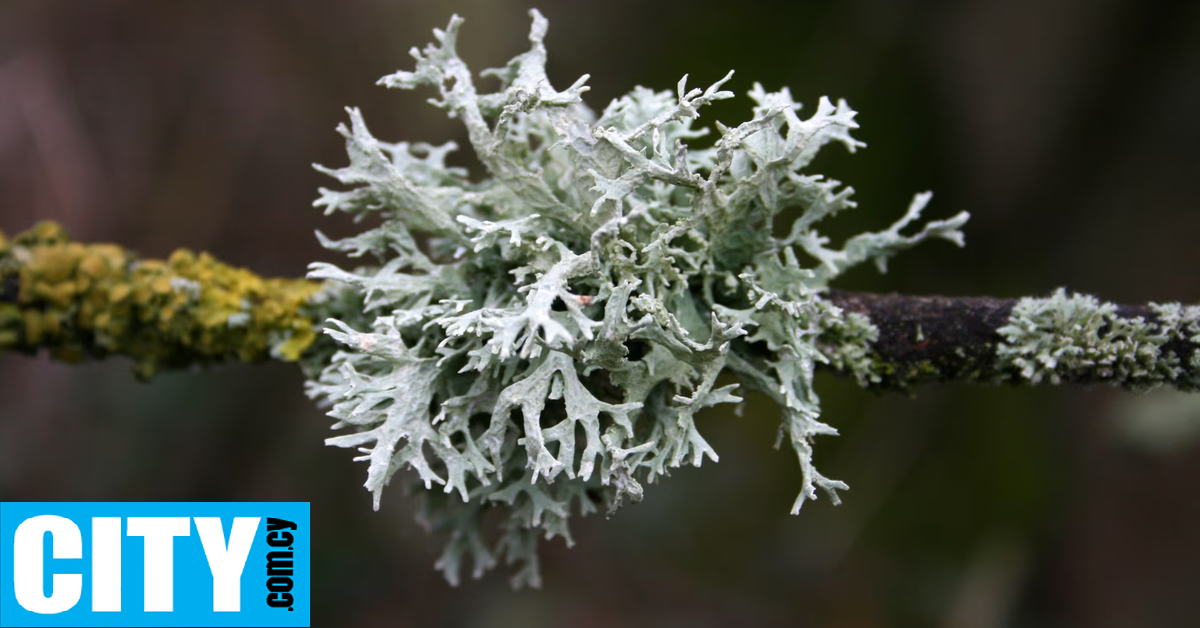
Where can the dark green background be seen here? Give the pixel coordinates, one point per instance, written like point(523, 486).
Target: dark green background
point(1068, 129)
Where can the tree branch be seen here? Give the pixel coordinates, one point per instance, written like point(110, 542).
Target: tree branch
point(90, 301)
point(1081, 341)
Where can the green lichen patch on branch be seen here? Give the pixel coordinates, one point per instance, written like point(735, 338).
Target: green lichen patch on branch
point(847, 344)
point(541, 341)
point(1079, 338)
point(93, 300)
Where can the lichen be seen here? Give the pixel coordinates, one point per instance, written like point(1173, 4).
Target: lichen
point(539, 341)
point(847, 342)
point(95, 300)
point(1069, 337)
point(1182, 323)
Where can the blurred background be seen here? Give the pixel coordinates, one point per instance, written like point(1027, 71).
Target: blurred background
point(1068, 129)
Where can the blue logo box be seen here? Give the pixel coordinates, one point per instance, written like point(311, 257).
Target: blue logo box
point(154, 564)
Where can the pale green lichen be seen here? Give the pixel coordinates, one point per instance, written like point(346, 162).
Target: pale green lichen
point(846, 342)
point(1065, 337)
point(540, 341)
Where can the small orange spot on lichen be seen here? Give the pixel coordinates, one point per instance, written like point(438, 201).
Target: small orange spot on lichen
point(93, 266)
point(161, 285)
point(118, 292)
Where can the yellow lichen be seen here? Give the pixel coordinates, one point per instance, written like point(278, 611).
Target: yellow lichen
point(95, 300)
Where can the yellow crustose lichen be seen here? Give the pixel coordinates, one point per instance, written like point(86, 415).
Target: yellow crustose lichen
point(94, 300)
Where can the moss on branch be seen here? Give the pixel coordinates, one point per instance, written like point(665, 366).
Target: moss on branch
point(83, 301)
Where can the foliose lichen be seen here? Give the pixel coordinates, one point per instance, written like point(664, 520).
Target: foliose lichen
point(539, 341)
point(1069, 336)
